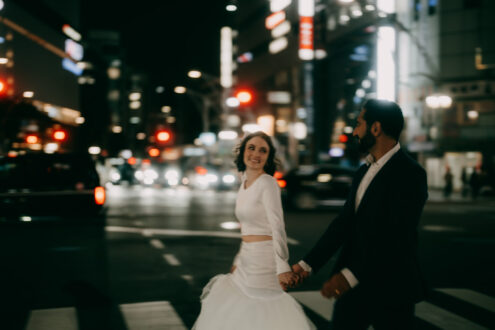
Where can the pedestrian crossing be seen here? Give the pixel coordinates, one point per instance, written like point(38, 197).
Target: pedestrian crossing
point(162, 314)
point(437, 316)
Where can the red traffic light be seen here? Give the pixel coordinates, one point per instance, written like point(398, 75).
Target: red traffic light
point(244, 96)
point(163, 136)
point(343, 138)
point(59, 135)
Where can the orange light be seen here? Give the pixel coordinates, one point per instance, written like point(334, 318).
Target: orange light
point(2, 86)
point(59, 135)
point(278, 175)
point(32, 139)
point(201, 170)
point(131, 161)
point(146, 162)
point(163, 136)
point(154, 152)
point(100, 195)
point(244, 96)
point(282, 183)
point(343, 138)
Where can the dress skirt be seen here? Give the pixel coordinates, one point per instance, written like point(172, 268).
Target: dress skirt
point(251, 298)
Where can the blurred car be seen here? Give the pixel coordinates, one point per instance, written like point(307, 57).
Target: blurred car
point(50, 185)
point(314, 186)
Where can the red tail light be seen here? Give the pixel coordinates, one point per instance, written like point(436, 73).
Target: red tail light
point(100, 195)
point(282, 183)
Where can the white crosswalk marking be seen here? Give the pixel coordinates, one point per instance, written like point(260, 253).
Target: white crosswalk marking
point(157, 244)
point(444, 319)
point(426, 311)
point(156, 315)
point(54, 318)
point(316, 302)
point(171, 259)
point(472, 297)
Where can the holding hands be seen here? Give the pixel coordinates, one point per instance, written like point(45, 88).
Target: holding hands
point(288, 280)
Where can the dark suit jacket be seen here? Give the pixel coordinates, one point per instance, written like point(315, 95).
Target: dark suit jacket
point(379, 240)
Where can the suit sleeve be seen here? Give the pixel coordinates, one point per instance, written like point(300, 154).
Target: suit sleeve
point(272, 204)
point(331, 240)
point(398, 242)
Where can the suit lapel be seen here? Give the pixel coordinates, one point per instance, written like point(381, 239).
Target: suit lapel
point(355, 183)
point(378, 180)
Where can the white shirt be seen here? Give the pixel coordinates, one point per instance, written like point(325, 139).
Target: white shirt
point(375, 167)
point(259, 210)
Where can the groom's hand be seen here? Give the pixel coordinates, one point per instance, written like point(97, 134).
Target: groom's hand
point(296, 268)
point(336, 286)
point(288, 280)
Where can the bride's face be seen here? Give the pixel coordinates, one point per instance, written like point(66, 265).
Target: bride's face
point(256, 153)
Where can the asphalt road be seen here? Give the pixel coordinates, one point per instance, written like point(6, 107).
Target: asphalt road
point(147, 266)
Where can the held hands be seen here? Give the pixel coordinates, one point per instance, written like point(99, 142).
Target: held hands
point(288, 280)
point(335, 287)
point(296, 268)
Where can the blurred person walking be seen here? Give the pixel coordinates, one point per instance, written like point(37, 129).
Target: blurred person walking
point(448, 177)
point(252, 295)
point(376, 279)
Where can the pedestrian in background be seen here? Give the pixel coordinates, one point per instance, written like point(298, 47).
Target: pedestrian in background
point(448, 178)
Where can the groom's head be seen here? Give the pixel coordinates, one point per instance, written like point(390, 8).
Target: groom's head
point(379, 118)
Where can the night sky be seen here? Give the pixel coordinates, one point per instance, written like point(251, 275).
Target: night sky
point(164, 38)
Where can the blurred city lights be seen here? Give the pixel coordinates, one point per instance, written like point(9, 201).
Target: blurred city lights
point(232, 102)
point(385, 63)
point(194, 74)
point(3, 60)
point(438, 101)
point(94, 150)
point(226, 51)
point(251, 128)
point(300, 131)
point(278, 45)
point(231, 8)
point(32, 139)
point(59, 135)
point(134, 96)
point(135, 105)
point(230, 225)
point(159, 89)
point(28, 94)
point(51, 147)
point(180, 89)
point(117, 129)
point(473, 114)
point(277, 5)
point(227, 135)
point(244, 96)
point(80, 120)
point(281, 29)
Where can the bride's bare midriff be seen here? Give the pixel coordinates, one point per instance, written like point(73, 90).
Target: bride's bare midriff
point(255, 238)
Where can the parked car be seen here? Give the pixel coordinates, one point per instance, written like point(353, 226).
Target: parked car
point(41, 184)
point(313, 186)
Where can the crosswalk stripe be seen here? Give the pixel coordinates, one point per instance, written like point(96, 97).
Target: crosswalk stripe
point(171, 259)
point(157, 315)
point(444, 319)
point(472, 297)
point(156, 243)
point(316, 302)
point(54, 318)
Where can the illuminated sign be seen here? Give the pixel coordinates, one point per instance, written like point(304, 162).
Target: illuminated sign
point(306, 51)
point(274, 19)
point(74, 50)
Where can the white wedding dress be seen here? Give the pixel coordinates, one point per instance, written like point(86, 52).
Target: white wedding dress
point(251, 297)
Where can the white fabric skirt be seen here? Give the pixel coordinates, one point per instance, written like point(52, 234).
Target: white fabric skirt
point(250, 298)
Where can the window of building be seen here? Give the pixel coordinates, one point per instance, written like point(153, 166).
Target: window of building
point(432, 7)
point(416, 9)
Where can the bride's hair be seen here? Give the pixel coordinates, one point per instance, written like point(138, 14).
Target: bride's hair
point(271, 162)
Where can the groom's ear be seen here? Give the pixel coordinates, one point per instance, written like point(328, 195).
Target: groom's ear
point(376, 128)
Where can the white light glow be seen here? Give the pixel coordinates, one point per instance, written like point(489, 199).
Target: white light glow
point(277, 5)
point(28, 94)
point(227, 135)
point(166, 109)
point(267, 124)
point(134, 96)
point(180, 89)
point(473, 114)
point(387, 6)
point(135, 105)
point(226, 65)
point(94, 150)
point(251, 128)
point(445, 101)
point(278, 45)
point(4, 60)
point(231, 8)
point(230, 225)
point(141, 136)
point(194, 74)
point(306, 54)
point(50, 148)
point(385, 66)
point(281, 29)
point(232, 102)
point(300, 131)
point(80, 120)
point(306, 8)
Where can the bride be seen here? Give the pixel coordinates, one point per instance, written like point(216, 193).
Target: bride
point(252, 295)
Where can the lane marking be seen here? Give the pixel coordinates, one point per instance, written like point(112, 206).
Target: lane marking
point(188, 278)
point(472, 297)
point(54, 318)
point(182, 232)
point(156, 243)
point(171, 259)
point(444, 319)
point(155, 315)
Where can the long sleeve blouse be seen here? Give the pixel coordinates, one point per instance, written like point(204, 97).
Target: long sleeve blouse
point(259, 210)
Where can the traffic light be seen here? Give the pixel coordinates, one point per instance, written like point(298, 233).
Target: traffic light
point(163, 136)
point(59, 135)
point(244, 96)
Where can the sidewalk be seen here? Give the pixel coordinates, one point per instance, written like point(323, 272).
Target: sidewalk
point(436, 196)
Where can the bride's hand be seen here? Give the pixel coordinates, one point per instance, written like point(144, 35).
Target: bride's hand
point(287, 280)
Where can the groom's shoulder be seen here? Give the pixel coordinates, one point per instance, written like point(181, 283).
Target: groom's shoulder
point(409, 163)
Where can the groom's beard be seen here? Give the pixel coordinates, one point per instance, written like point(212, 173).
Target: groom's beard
point(367, 142)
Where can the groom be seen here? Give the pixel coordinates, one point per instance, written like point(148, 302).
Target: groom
point(377, 279)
